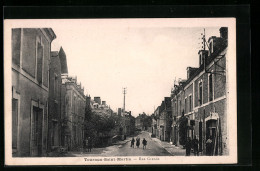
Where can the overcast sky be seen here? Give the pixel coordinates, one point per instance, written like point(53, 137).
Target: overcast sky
point(144, 55)
point(146, 60)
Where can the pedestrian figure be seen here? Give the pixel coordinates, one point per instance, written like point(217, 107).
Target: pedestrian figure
point(209, 146)
point(89, 144)
point(133, 142)
point(188, 146)
point(85, 144)
point(137, 142)
point(195, 144)
point(144, 143)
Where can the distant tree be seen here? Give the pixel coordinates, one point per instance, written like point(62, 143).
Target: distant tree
point(88, 111)
point(104, 123)
point(145, 120)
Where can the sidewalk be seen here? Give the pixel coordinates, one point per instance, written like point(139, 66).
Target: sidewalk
point(172, 149)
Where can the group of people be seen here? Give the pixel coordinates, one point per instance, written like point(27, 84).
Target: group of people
point(192, 144)
point(144, 142)
point(87, 144)
point(195, 145)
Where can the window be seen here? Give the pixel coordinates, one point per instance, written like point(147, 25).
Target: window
point(185, 105)
point(201, 59)
point(16, 43)
point(39, 62)
point(180, 108)
point(175, 108)
point(200, 93)
point(57, 85)
point(190, 106)
point(210, 87)
point(75, 133)
point(67, 105)
point(54, 86)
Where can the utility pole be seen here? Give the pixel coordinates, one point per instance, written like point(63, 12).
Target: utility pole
point(124, 92)
point(123, 113)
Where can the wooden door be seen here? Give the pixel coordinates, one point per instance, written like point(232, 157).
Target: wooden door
point(36, 136)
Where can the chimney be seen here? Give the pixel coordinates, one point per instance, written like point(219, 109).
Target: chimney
point(97, 100)
point(104, 103)
point(223, 32)
point(119, 111)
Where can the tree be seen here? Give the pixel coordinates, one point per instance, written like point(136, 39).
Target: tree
point(145, 120)
point(104, 123)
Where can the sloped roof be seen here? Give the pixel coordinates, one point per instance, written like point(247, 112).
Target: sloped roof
point(167, 101)
point(54, 53)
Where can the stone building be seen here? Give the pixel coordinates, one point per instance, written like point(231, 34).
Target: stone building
point(138, 123)
point(73, 113)
point(199, 104)
point(157, 119)
point(129, 123)
point(31, 49)
point(58, 67)
point(165, 120)
point(154, 125)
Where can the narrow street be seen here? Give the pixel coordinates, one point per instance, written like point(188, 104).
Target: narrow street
point(154, 148)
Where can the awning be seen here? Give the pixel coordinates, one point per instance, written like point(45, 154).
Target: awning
point(212, 116)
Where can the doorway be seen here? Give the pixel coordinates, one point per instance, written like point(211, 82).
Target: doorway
point(14, 126)
point(36, 135)
point(211, 134)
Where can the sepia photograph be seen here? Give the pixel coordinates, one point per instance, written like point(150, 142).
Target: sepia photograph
point(120, 91)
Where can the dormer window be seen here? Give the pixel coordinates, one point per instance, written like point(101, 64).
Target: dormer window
point(202, 55)
point(39, 53)
point(200, 99)
point(211, 85)
point(201, 59)
point(211, 42)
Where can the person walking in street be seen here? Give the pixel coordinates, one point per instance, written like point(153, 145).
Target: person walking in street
point(133, 142)
point(137, 142)
point(195, 144)
point(209, 146)
point(85, 144)
point(89, 144)
point(188, 146)
point(144, 143)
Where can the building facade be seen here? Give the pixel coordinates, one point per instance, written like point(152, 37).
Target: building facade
point(199, 104)
point(31, 50)
point(139, 123)
point(154, 125)
point(129, 123)
point(165, 120)
point(73, 113)
point(58, 67)
point(157, 119)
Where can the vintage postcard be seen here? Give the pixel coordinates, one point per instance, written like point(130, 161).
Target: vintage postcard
point(120, 91)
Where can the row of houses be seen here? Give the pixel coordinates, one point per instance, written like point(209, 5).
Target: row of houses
point(197, 106)
point(47, 104)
